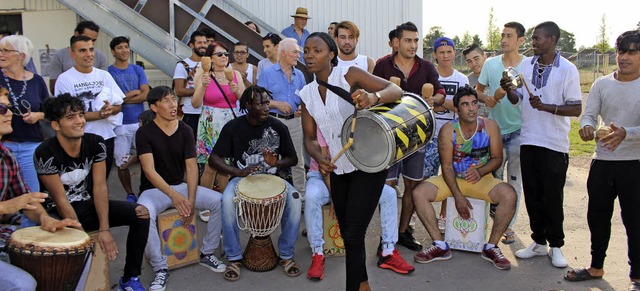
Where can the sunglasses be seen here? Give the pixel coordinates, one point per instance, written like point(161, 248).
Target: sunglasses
point(4, 108)
point(220, 54)
point(239, 53)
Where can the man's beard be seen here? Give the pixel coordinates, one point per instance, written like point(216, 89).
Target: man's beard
point(198, 53)
point(353, 50)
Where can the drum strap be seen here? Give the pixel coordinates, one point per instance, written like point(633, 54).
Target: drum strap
point(344, 94)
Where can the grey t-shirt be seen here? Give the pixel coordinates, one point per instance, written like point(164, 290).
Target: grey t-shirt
point(62, 61)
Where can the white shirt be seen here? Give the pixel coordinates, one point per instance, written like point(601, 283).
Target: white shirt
point(181, 73)
point(561, 86)
point(450, 85)
point(330, 117)
point(93, 88)
point(361, 61)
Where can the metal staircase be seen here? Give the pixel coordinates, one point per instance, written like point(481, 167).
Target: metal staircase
point(160, 29)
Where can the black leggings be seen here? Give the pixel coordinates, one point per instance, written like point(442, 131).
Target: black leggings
point(120, 213)
point(608, 180)
point(355, 197)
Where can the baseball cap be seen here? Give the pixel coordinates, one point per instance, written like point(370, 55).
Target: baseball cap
point(442, 41)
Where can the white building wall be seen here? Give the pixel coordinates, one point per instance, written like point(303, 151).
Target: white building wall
point(375, 18)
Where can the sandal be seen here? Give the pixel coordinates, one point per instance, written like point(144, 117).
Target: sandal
point(509, 237)
point(290, 267)
point(580, 274)
point(232, 273)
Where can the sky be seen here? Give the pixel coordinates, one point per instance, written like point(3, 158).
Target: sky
point(577, 17)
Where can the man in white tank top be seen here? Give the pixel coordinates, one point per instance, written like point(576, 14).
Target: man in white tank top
point(346, 35)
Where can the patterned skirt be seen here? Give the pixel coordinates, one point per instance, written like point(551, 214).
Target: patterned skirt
point(210, 125)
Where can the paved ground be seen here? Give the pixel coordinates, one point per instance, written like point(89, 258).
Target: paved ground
point(466, 271)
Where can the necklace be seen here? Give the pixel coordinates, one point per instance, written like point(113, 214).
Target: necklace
point(24, 87)
point(470, 138)
point(219, 78)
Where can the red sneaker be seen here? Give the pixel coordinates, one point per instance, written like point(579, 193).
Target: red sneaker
point(316, 270)
point(433, 253)
point(396, 263)
point(495, 256)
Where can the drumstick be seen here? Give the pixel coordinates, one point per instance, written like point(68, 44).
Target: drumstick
point(350, 140)
point(228, 73)
point(525, 84)
point(206, 64)
point(395, 80)
point(427, 90)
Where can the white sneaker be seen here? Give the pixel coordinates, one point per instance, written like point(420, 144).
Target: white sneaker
point(533, 250)
point(159, 281)
point(204, 215)
point(557, 259)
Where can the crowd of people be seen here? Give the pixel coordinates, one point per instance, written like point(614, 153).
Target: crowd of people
point(242, 118)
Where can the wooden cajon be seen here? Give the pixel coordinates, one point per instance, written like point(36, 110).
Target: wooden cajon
point(333, 243)
point(177, 241)
point(467, 235)
point(98, 277)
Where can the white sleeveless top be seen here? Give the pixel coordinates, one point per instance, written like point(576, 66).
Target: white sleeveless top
point(361, 61)
point(331, 115)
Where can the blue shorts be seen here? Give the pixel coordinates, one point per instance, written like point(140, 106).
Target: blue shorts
point(411, 167)
point(431, 159)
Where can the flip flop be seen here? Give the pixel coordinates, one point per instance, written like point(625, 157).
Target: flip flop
point(232, 273)
point(290, 267)
point(580, 274)
point(509, 237)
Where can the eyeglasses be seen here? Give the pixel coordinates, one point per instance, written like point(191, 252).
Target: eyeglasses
point(6, 51)
point(4, 108)
point(239, 53)
point(220, 54)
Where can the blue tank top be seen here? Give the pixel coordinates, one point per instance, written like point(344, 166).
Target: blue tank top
point(472, 152)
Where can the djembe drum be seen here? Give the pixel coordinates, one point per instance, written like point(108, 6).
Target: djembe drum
point(55, 260)
point(388, 133)
point(261, 200)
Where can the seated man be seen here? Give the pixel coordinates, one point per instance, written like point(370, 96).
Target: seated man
point(71, 167)
point(470, 149)
point(167, 150)
point(317, 195)
point(15, 196)
point(257, 144)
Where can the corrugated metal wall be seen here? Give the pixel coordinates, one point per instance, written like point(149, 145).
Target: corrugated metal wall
point(375, 18)
point(43, 5)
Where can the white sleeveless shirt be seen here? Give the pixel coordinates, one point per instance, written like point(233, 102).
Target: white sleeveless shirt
point(360, 61)
point(330, 116)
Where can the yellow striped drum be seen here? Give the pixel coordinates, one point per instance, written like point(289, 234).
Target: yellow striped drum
point(387, 133)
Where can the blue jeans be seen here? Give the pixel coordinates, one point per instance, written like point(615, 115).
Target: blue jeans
point(14, 278)
point(290, 223)
point(511, 154)
point(317, 195)
point(24, 154)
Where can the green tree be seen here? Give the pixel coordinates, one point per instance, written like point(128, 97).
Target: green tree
point(427, 42)
point(476, 39)
point(566, 43)
point(457, 42)
point(493, 33)
point(603, 40)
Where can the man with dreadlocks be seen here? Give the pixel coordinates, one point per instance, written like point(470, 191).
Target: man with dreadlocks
point(256, 144)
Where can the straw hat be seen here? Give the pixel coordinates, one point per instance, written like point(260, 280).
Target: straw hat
point(302, 13)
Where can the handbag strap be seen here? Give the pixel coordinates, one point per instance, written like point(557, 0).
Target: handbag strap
point(225, 96)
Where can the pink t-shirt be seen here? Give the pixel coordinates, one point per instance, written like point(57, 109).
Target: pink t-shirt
point(213, 97)
point(313, 166)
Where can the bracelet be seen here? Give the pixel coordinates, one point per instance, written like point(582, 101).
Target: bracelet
point(101, 230)
point(555, 111)
point(377, 95)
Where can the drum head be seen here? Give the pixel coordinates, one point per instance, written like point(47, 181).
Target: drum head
point(35, 236)
point(261, 186)
point(373, 145)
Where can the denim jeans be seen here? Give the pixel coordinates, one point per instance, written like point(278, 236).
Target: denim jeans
point(24, 155)
point(511, 157)
point(290, 222)
point(14, 278)
point(157, 202)
point(317, 195)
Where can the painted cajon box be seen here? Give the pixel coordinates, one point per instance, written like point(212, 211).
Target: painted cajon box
point(333, 243)
point(178, 241)
point(467, 234)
